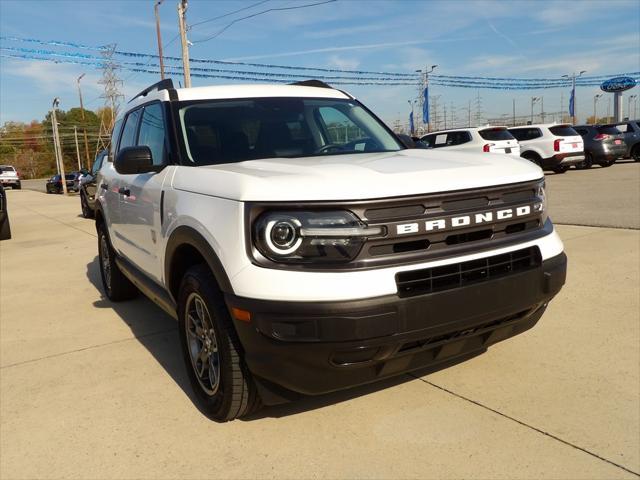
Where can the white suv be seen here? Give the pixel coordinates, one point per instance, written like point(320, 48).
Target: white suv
point(477, 139)
point(554, 146)
point(303, 249)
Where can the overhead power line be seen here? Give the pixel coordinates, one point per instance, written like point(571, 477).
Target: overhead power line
point(226, 14)
point(275, 9)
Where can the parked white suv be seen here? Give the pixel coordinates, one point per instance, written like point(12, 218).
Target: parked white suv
point(9, 177)
point(303, 249)
point(553, 146)
point(489, 139)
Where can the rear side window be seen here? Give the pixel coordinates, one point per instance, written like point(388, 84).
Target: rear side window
point(583, 132)
point(7, 169)
point(458, 138)
point(496, 134)
point(128, 136)
point(609, 130)
point(563, 131)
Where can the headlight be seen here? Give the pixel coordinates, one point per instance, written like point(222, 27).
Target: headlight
point(541, 201)
point(311, 237)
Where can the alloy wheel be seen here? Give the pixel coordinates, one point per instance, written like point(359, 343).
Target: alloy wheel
point(202, 344)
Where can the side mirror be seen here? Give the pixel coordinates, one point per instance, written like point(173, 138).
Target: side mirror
point(134, 160)
point(406, 140)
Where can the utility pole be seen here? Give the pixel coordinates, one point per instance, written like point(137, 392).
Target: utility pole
point(573, 93)
point(75, 134)
point(595, 112)
point(182, 10)
point(444, 110)
point(58, 148)
point(84, 123)
point(155, 9)
point(542, 108)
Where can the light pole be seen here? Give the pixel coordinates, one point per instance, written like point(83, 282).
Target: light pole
point(155, 10)
point(595, 111)
point(573, 93)
point(629, 106)
point(58, 149)
point(425, 94)
point(413, 119)
point(182, 9)
point(533, 102)
point(84, 123)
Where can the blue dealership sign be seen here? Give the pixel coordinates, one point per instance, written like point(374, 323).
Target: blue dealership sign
point(617, 84)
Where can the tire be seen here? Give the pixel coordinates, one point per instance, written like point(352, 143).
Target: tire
point(84, 205)
point(532, 157)
point(561, 169)
point(17, 186)
point(587, 163)
point(116, 286)
point(607, 163)
point(221, 381)
point(635, 153)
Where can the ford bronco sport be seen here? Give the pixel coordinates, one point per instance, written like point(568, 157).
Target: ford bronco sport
point(304, 249)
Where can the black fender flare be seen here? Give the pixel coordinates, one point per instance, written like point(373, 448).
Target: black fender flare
point(185, 235)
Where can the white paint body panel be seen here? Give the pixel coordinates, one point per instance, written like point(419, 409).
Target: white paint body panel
point(355, 177)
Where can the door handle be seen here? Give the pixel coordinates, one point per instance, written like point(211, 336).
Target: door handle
point(104, 186)
point(124, 191)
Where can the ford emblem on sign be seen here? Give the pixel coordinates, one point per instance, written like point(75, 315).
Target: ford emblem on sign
point(617, 84)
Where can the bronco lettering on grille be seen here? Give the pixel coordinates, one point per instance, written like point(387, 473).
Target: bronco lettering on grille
point(448, 223)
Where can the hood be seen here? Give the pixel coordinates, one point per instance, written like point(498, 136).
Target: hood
point(355, 176)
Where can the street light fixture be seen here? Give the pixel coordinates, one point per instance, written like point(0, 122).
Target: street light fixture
point(534, 100)
point(56, 144)
point(595, 103)
point(573, 91)
point(84, 123)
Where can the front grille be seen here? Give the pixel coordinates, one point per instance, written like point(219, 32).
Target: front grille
point(447, 277)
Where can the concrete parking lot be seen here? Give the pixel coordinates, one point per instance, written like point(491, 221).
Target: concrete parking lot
point(92, 389)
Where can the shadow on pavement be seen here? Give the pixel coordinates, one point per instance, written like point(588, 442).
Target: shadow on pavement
point(157, 332)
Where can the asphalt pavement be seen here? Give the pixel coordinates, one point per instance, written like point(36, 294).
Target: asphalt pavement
point(92, 389)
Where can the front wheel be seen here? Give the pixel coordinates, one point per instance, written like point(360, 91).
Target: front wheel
point(17, 186)
point(211, 349)
point(607, 163)
point(561, 169)
point(635, 153)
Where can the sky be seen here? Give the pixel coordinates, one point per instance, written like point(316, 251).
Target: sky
point(527, 39)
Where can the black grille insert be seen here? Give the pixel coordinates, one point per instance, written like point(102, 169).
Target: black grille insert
point(436, 279)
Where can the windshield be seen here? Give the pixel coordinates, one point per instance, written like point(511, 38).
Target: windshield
point(236, 130)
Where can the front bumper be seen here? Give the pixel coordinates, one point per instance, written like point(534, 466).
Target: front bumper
point(318, 347)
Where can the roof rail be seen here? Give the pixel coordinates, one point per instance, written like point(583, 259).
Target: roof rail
point(312, 83)
point(166, 84)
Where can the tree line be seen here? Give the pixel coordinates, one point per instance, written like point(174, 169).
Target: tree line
point(29, 146)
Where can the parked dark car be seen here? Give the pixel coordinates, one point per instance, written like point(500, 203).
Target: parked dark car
point(603, 144)
point(5, 228)
point(631, 131)
point(54, 185)
point(88, 186)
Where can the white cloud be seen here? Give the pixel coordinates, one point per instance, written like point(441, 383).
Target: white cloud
point(342, 62)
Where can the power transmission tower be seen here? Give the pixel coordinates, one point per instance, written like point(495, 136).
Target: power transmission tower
point(469, 115)
point(112, 96)
point(478, 109)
